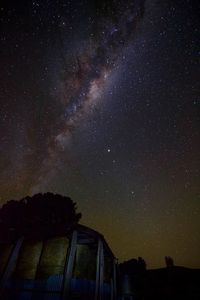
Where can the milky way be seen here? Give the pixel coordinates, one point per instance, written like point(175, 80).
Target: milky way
point(88, 73)
point(100, 102)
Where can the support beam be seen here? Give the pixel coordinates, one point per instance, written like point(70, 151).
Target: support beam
point(69, 267)
point(11, 264)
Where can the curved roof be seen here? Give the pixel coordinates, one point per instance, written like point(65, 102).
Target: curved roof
point(89, 231)
point(42, 232)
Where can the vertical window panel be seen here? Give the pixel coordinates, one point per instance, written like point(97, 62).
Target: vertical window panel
point(108, 276)
point(28, 260)
point(85, 262)
point(108, 268)
point(83, 282)
point(53, 257)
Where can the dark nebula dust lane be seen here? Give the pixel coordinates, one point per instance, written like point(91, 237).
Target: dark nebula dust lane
point(100, 102)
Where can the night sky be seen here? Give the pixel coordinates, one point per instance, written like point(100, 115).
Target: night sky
point(100, 101)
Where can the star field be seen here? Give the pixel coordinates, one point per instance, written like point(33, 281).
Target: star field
point(100, 101)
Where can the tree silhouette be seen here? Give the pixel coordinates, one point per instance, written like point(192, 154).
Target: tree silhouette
point(169, 261)
point(41, 213)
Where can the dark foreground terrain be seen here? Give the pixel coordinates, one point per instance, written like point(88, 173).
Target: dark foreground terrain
point(172, 283)
point(168, 284)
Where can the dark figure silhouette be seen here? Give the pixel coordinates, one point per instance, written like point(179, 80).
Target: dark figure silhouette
point(169, 261)
point(141, 264)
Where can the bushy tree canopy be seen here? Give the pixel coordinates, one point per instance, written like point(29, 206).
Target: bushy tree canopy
point(42, 212)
